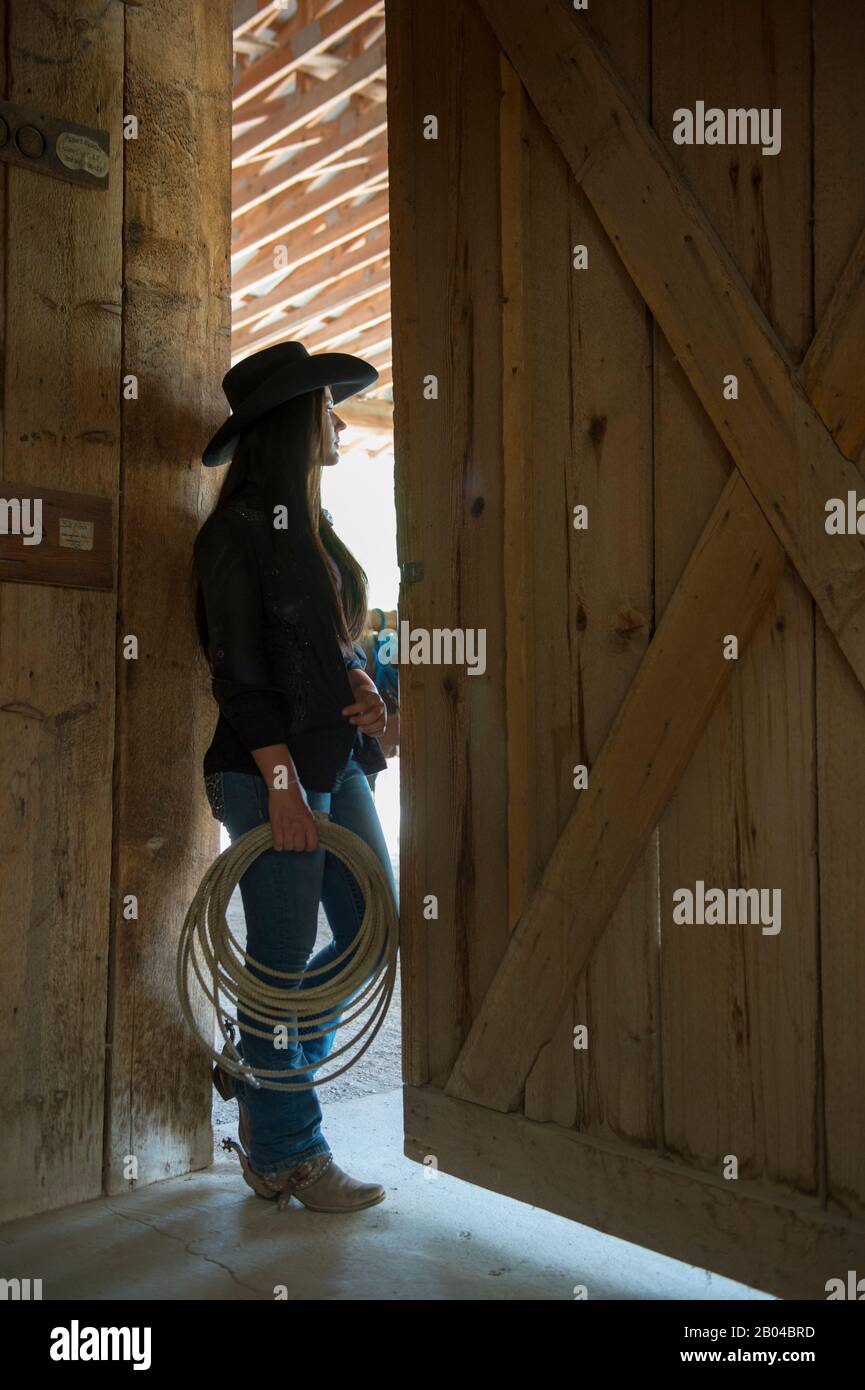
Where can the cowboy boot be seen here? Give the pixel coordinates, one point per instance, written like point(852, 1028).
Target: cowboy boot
point(320, 1184)
point(317, 1182)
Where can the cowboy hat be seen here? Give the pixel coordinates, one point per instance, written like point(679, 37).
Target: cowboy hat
point(274, 375)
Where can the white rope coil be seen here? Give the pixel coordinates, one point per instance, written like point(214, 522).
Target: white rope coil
point(208, 948)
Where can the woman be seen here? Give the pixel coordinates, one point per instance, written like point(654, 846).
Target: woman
point(280, 605)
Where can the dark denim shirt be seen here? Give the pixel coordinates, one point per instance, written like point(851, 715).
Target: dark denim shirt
point(279, 674)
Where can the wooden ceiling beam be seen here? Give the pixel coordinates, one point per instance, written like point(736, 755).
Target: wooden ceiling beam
point(262, 16)
point(252, 48)
point(342, 268)
point(296, 40)
point(301, 248)
point(321, 65)
point(316, 226)
point(295, 321)
point(383, 383)
point(250, 189)
point(380, 357)
point(298, 209)
point(374, 33)
point(282, 329)
point(370, 320)
point(376, 417)
point(280, 119)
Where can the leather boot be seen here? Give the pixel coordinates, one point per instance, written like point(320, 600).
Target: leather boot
point(320, 1184)
point(317, 1182)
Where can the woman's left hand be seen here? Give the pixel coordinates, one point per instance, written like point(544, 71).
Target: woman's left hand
point(369, 712)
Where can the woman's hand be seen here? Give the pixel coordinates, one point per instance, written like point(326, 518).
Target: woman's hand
point(369, 712)
point(291, 821)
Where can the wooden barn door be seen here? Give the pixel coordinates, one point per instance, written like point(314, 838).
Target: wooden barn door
point(695, 1088)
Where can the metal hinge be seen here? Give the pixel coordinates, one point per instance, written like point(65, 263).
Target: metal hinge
point(411, 571)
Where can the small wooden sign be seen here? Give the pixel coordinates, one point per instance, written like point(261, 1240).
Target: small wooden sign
point(52, 537)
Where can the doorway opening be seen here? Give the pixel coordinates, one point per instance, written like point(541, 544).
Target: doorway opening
point(310, 263)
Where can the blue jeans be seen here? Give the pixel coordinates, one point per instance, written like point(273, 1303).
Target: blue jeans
point(281, 892)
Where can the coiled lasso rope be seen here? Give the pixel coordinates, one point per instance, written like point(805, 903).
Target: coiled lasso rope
point(219, 961)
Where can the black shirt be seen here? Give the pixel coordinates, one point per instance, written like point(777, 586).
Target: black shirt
point(279, 674)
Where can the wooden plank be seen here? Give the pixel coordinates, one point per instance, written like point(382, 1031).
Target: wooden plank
point(738, 1025)
point(353, 290)
point(61, 420)
point(839, 352)
point(755, 1233)
point(518, 517)
point(415, 443)
point(302, 248)
point(331, 142)
point(465, 500)
point(303, 109)
point(259, 16)
point(370, 317)
point(341, 268)
point(376, 417)
point(726, 585)
point(593, 615)
point(384, 378)
point(835, 357)
point(176, 341)
point(455, 443)
point(60, 537)
point(297, 40)
point(296, 211)
point(699, 300)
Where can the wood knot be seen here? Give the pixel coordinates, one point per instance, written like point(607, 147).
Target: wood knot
point(597, 430)
point(628, 621)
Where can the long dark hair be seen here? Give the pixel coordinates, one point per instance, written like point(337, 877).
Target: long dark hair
point(277, 462)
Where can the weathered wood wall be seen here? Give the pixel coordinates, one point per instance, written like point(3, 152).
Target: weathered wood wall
point(101, 791)
point(62, 275)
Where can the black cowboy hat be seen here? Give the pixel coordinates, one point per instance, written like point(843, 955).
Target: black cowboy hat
point(276, 374)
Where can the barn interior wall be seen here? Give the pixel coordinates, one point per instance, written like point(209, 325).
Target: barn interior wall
point(101, 755)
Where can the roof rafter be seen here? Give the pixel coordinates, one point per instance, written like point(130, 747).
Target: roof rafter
point(301, 247)
point(298, 40)
point(303, 109)
point(310, 247)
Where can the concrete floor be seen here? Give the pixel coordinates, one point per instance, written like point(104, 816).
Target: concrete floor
point(206, 1236)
